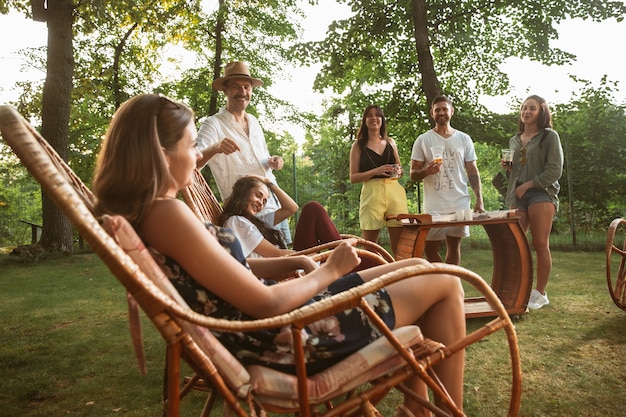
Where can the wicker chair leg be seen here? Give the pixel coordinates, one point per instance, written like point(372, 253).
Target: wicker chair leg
point(172, 379)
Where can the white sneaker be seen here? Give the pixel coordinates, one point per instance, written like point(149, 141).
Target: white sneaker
point(537, 300)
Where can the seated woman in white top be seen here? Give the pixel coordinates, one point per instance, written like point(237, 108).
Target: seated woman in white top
point(256, 233)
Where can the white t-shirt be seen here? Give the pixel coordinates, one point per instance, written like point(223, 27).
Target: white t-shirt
point(248, 234)
point(446, 191)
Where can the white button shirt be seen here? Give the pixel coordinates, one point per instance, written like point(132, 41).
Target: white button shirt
point(252, 159)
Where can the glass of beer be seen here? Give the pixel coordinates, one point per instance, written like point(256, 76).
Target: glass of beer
point(437, 154)
point(507, 157)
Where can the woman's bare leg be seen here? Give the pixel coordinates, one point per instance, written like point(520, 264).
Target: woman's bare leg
point(523, 218)
point(540, 220)
point(436, 303)
point(371, 235)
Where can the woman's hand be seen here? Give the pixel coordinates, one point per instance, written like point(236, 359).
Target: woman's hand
point(306, 263)
point(521, 189)
point(393, 170)
point(344, 257)
point(383, 170)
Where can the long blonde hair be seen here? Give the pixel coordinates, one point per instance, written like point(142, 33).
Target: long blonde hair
point(131, 171)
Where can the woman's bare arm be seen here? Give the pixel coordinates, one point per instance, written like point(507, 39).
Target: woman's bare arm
point(276, 267)
point(173, 229)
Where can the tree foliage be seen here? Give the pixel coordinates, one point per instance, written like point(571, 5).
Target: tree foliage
point(257, 32)
point(20, 199)
point(116, 51)
point(398, 54)
point(393, 53)
point(376, 47)
point(373, 55)
point(592, 131)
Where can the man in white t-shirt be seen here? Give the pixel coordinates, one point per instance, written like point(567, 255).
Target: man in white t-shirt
point(232, 141)
point(446, 179)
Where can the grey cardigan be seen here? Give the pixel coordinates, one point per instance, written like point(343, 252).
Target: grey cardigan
point(544, 165)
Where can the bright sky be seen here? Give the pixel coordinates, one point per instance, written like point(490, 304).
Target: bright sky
point(595, 45)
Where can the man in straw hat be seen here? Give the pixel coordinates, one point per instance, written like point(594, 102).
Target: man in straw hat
point(232, 141)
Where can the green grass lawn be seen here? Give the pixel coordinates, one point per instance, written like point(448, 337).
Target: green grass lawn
point(65, 348)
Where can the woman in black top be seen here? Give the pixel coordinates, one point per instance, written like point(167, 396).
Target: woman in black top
point(375, 162)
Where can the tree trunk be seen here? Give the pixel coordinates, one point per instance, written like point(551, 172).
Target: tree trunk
point(217, 61)
point(119, 49)
point(425, 61)
point(57, 233)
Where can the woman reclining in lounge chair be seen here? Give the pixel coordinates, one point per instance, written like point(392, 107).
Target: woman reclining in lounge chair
point(149, 154)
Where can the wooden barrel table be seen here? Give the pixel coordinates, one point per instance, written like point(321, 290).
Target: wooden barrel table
point(512, 276)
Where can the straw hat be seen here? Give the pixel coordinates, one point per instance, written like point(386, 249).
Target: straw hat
point(235, 70)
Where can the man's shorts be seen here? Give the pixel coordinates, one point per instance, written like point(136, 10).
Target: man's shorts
point(381, 198)
point(440, 233)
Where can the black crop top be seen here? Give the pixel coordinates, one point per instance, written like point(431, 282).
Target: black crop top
point(370, 159)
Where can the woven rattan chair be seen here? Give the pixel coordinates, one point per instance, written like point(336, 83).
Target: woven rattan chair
point(616, 265)
point(200, 198)
point(374, 370)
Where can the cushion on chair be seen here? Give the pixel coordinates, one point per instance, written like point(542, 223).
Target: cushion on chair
point(372, 361)
point(229, 367)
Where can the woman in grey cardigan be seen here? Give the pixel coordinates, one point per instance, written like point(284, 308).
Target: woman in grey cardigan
point(534, 185)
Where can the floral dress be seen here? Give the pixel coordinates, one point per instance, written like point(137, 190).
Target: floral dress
point(326, 341)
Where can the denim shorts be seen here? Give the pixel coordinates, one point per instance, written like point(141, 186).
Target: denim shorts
point(532, 196)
